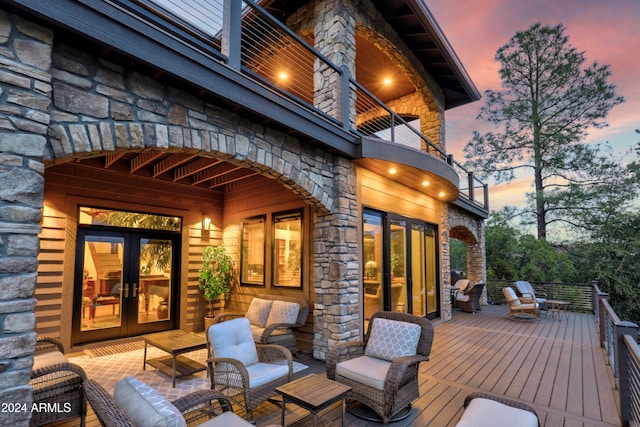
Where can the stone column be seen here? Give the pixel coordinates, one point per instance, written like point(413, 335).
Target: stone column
point(25, 99)
point(336, 313)
point(335, 39)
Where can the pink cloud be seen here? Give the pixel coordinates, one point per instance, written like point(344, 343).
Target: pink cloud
point(608, 32)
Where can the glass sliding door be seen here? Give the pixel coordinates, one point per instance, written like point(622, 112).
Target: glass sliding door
point(400, 269)
point(374, 269)
point(398, 247)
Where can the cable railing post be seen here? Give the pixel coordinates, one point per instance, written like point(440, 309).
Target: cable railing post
point(346, 99)
point(602, 317)
point(471, 185)
point(624, 359)
point(232, 32)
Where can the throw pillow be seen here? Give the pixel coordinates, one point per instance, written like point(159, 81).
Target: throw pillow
point(258, 311)
point(391, 339)
point(144, 406)
point(283, 312)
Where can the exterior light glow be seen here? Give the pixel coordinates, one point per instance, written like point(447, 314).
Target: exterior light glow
point(206, 223)
point(393, 171)
point(425, 183)
point(441, 194)
point(387, 81)
point(283, 75)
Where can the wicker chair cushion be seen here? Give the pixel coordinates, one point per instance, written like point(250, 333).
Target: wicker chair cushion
point(462, 297)
point(489, 413)
point(275, 336)
point(144, 406)
point(233, 339)
point(462, 285)
point(511, 296)
point(226, 419)
point(258, 311)
point(366, 370)
point(47, 359)
point(391, 339)
point(283, 312)
point(263, 373)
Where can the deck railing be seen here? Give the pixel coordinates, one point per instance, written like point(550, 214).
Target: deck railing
point(249, 39)
point(619, 339)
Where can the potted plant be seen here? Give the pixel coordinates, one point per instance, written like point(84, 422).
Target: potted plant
point(215, 277)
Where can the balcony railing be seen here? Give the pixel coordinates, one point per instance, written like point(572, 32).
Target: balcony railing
point(249, 39)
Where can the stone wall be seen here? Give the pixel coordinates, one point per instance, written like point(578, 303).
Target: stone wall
point(470, 230)
point(25, 90)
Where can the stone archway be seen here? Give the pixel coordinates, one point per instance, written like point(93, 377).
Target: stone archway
point(470, 230)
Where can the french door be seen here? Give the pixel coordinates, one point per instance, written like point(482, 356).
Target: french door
point(125, 283)
point(400, 265)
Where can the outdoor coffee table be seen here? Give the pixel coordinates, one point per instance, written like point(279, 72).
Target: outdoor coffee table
point(175, 343)
point(557, 307)
point(313, 392)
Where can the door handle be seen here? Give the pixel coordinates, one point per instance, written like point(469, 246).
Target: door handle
point(135, 290)
point(125, 290)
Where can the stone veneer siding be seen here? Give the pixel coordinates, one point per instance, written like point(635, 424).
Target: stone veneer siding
point(25, 99)
point(59, 104)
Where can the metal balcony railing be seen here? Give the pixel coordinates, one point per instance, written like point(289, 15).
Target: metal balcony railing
point(249, 39)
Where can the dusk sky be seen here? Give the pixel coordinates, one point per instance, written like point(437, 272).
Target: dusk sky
point(608, 31)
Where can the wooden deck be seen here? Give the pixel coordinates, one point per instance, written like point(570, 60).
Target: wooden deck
point(557, 367)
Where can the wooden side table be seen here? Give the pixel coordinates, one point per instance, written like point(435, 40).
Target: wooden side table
point(313, 392)
point(175, 343)
point(557, 307)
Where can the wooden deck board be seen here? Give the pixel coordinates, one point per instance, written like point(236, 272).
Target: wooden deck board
point(556, 367)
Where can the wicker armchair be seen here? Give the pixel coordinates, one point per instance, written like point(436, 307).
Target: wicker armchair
point(55, 381)
point(469, 301)
point(281, 333)
point(517, 308)
point(483, 409)
point(527, 294)
point(202, 407)
point(247, 372)
point(388, 358)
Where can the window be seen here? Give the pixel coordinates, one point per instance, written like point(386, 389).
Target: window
point(287, 249)
point(252, 256)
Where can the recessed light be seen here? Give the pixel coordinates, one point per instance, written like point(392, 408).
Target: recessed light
point(441, 194)
point(393, 171)
point(425, 183)
point(283, 75)
point(387, 81)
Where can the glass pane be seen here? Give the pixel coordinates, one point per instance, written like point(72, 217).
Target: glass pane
point(102, 282)
point(418, 269)
point(287, 257)
point(373, 265)
point(431, 273)
point(97, 216)
point(154, 292)
point(252, 259)
point(398, 266)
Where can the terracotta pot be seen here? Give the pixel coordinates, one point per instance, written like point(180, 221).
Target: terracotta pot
point(208, 321)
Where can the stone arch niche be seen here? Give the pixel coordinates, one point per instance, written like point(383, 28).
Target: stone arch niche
point(470, 230)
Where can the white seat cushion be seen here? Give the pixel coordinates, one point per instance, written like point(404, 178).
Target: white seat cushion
point(233, 339)
point(144, 406)
point(48, 359)
point(462, 297)
point(226, 419)
point(391, 339)
point(258, 311)
point(489, 413)
point(276, 336)
point(262, 373)
point(366, 370)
